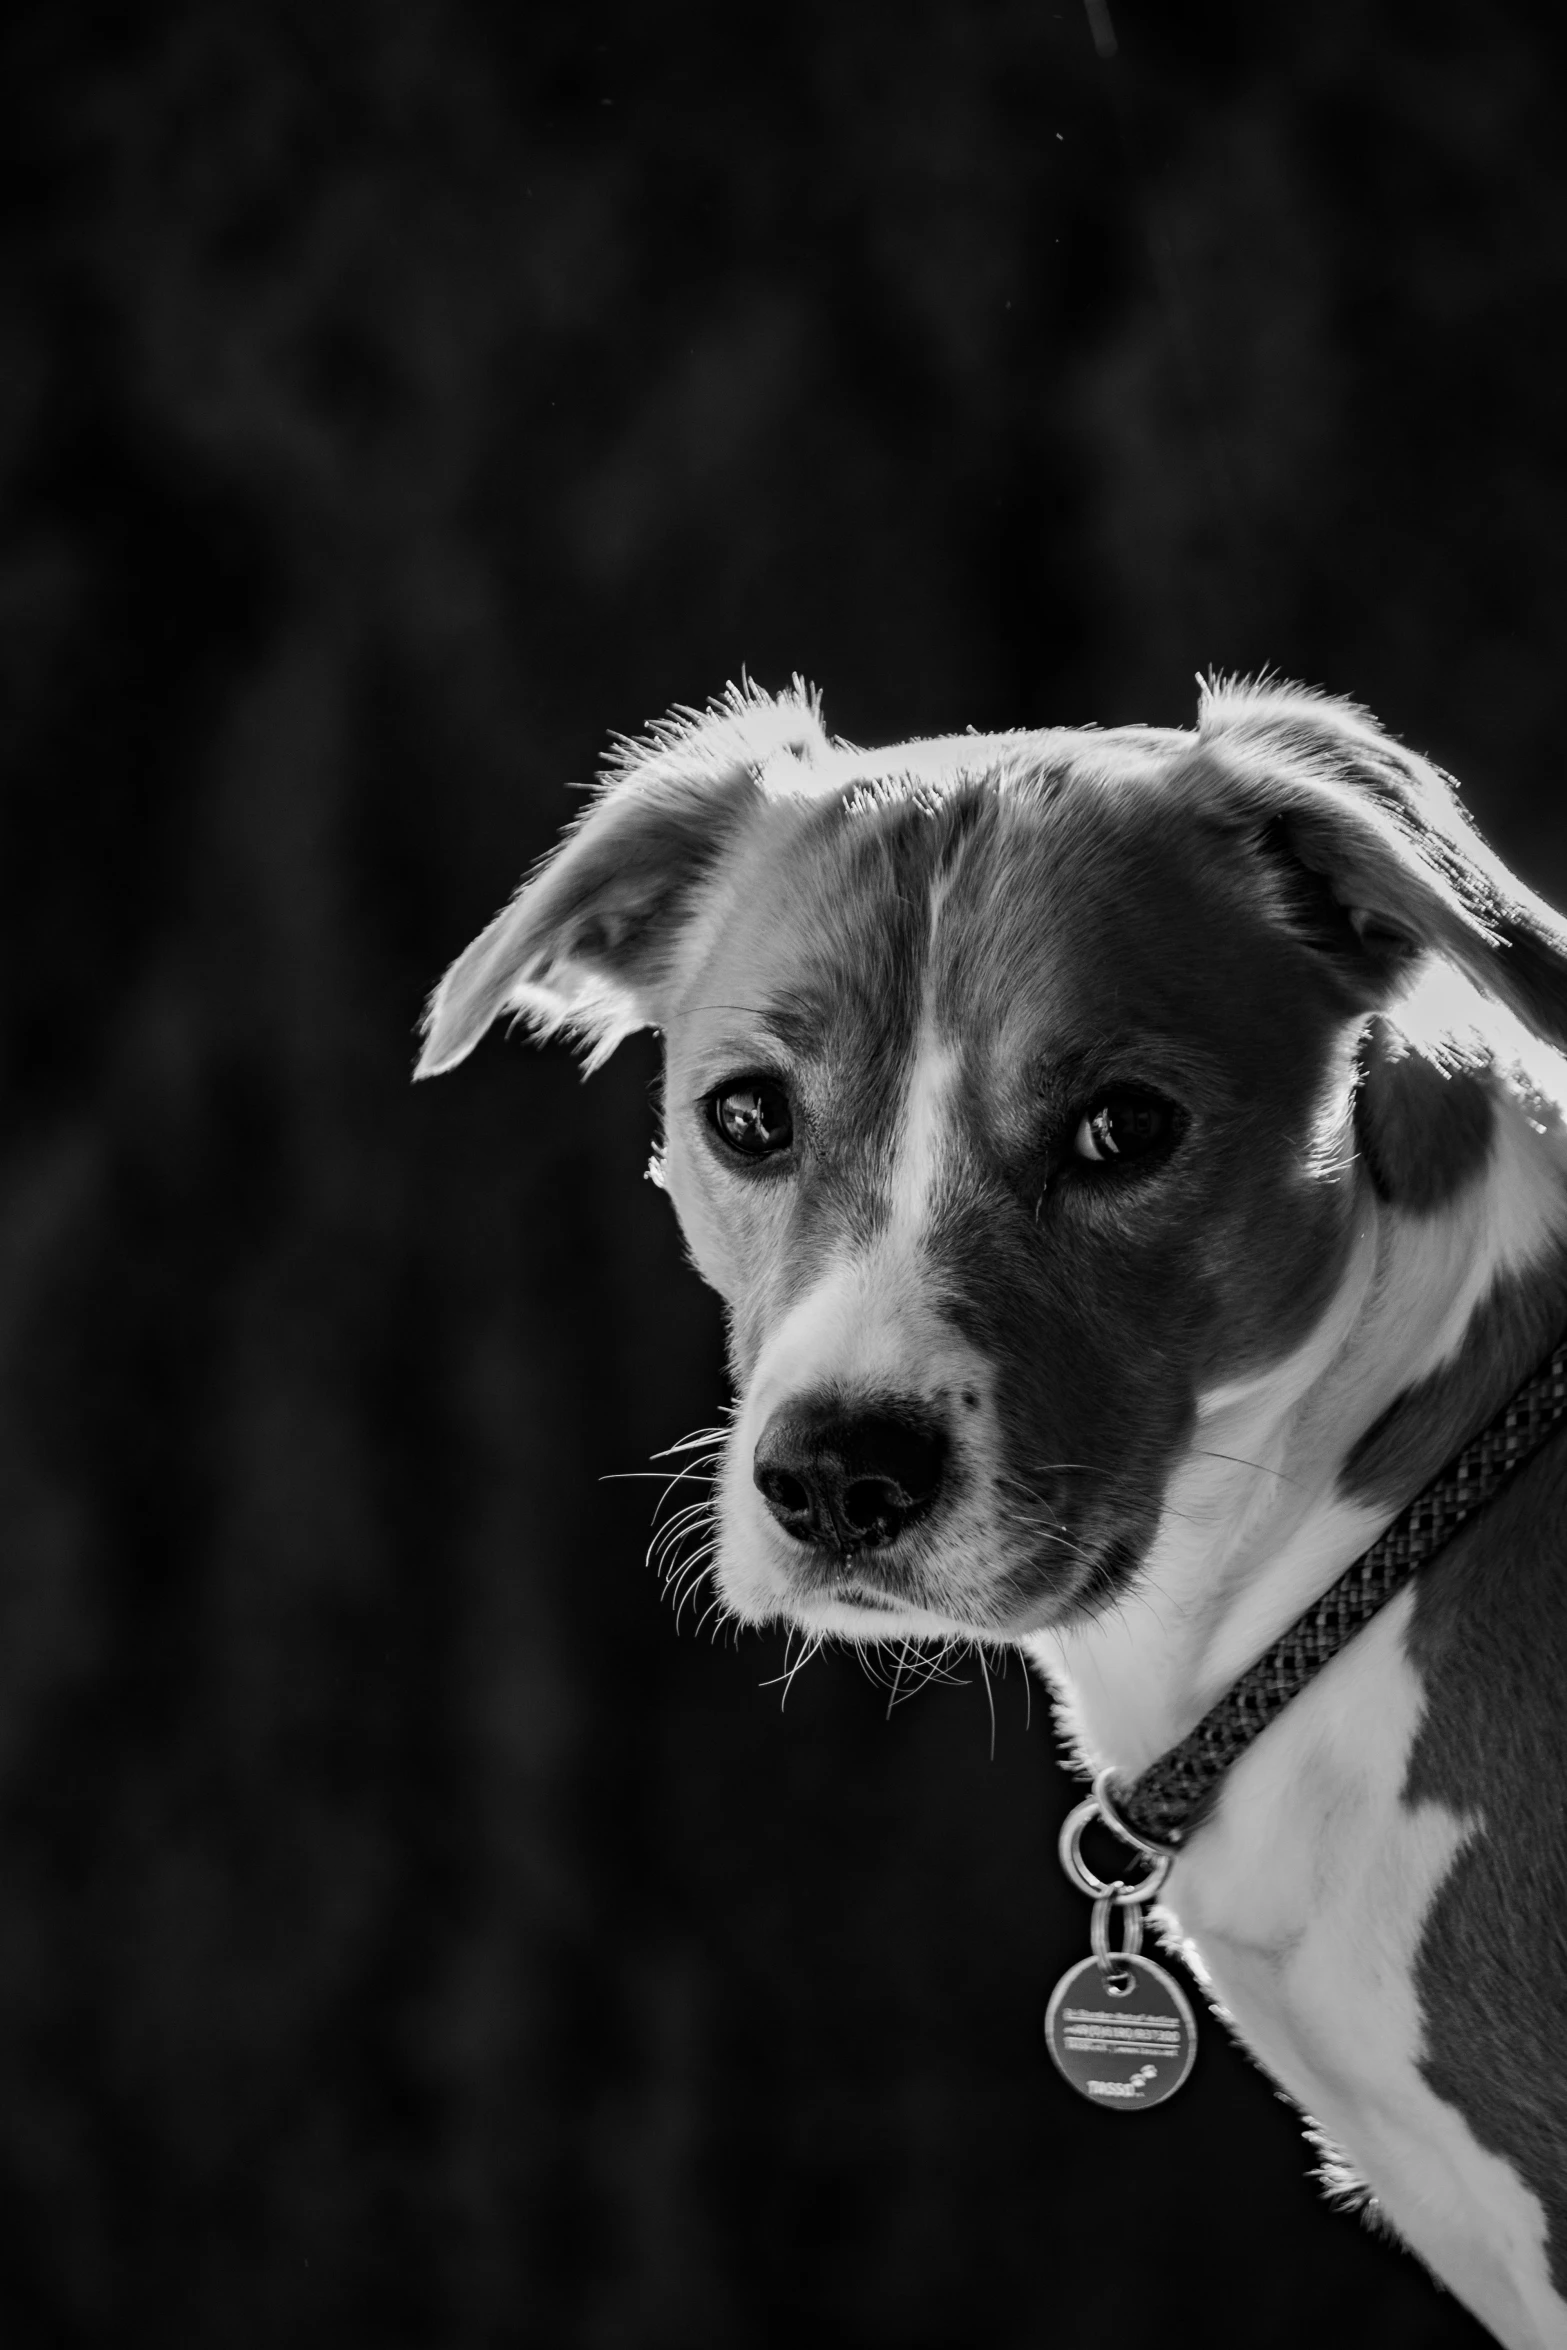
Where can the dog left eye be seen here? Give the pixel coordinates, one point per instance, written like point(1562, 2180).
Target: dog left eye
point(1125, 1125)
point(752, 1117)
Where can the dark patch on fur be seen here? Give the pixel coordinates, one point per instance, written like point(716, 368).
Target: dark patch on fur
point(1489, 1640)
point(1424, 1131)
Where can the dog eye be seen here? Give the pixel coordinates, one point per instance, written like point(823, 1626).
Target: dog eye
point(1125, 1125)
point(753, 1117)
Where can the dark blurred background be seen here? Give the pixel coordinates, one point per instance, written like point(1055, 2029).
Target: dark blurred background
point(405, 1937)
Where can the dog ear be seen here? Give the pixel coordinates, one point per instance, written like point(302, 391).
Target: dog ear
point(1378, 860)
point(587, 943)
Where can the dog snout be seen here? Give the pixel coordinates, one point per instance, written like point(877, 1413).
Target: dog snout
point(850, 1478)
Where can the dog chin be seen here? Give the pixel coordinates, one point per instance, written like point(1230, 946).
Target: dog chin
point(846, 1611)
point(850, 1599)
point(758, 1585)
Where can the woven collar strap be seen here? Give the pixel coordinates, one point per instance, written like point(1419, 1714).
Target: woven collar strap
point(1168, 1801)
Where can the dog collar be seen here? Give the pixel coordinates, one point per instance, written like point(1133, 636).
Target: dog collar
point(1160, 1809)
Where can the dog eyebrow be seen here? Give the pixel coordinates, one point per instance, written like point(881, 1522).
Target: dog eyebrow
point(1104, 1056)
point(798, 1021)
point(764, 1023)
point(801, 1020)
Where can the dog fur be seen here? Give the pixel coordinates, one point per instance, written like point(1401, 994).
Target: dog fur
point(1154, 1404)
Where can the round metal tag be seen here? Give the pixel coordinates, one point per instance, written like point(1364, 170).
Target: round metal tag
point(1125, 2049)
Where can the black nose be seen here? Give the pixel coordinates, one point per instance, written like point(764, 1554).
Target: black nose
point(848, 1478)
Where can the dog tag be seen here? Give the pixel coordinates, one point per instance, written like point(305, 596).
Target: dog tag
point(1124, 2036)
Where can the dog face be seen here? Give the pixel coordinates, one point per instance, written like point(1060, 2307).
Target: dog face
point(1010, 1107)
point(989, 1177)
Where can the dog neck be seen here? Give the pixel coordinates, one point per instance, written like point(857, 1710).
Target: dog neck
point(1279, 1489)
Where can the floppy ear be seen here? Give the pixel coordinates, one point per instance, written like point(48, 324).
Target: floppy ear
point(587, 943)
point(1381, 862)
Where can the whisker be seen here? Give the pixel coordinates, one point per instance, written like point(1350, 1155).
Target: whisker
point(811, 1646)
point(664, 1548)
point(867, 1655)
point(690, 1580)
point(691, 1514)
point(651, 1476)
point(717, 1437)
point(897, 1676)
point(990, 1696)
point(1204, 1452)
point(716, 1602)
point(790, 1633)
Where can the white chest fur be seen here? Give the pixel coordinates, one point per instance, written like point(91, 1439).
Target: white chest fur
point(1303, 1901)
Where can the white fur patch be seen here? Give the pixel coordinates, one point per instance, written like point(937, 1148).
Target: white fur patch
point(925, 1144)
point(1306, 1896)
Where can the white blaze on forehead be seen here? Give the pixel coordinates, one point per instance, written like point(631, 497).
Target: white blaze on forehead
point(868, 1329)
point(925, 1138)
point(868, 1321)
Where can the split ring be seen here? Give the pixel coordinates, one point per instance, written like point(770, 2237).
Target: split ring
point(1118, 1889)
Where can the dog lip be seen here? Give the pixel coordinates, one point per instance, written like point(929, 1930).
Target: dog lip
point(818, 1572)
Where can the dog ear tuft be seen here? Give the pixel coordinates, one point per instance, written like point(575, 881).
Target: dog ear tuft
point(588, 942)
point(1384, 857)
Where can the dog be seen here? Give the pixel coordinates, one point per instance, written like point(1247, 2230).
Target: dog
point(1133, 1162)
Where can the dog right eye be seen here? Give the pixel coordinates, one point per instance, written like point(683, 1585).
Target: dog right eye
point(753, 1117)
point(1124, 1125)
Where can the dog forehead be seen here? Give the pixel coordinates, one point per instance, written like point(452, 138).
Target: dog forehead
point(1028, 900)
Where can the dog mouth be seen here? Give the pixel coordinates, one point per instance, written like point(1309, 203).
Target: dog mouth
point(870, 1575)
point(1018, 1596)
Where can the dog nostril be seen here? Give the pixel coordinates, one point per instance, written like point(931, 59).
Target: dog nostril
point(847, 1479)
point(785, 1496)
point(873, 1510)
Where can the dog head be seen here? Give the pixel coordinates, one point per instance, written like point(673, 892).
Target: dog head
point(1020, 1090)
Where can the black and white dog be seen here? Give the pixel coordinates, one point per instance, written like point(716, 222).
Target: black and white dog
point(1133, 1163)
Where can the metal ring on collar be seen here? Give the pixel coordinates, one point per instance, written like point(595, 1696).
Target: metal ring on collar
point(1110, 1814)
point(1131, 1934)
point(1117, 1889)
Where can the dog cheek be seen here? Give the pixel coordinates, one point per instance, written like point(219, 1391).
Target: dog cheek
point(734, 1246)
point(705, 1242)
point(711, 1243)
